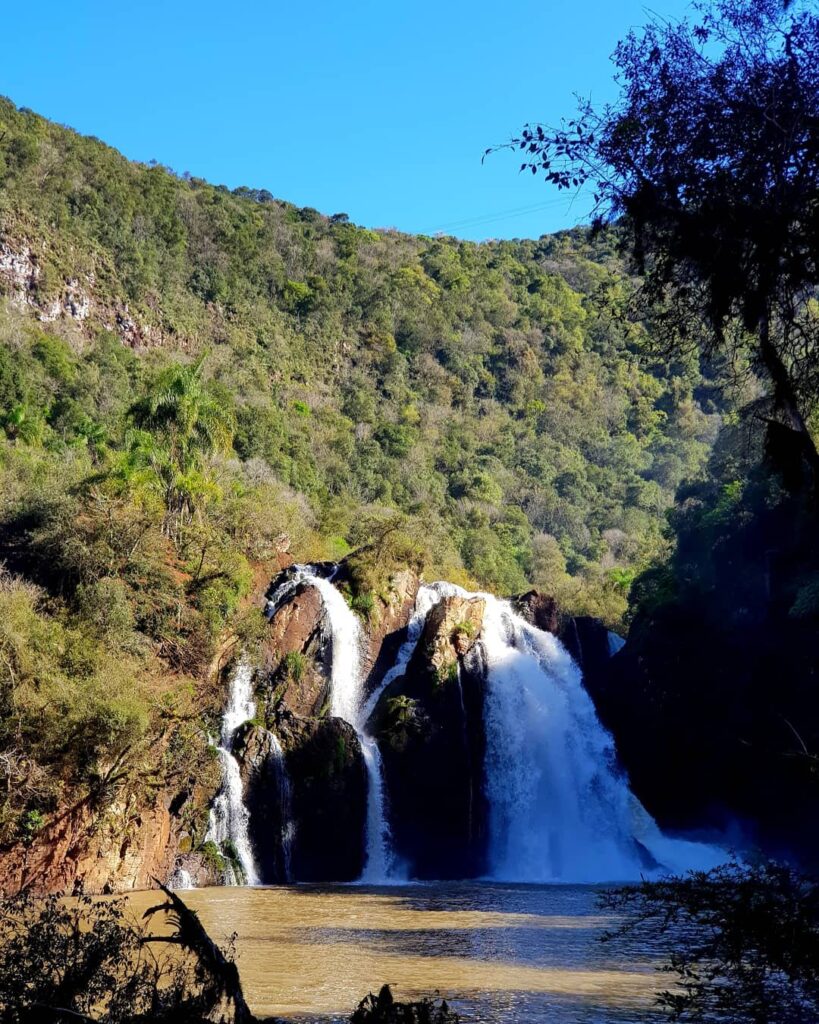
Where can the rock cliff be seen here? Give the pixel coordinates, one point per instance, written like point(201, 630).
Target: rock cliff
point(429, 723)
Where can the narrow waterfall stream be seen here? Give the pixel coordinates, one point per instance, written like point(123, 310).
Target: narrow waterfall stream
point(347, 702)
point(286, 805)
point(229, 817)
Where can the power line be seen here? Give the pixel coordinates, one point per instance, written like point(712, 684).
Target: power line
point(514, 212)
point(505, 215)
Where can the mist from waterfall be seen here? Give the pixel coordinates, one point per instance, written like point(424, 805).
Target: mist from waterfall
point(229, 818)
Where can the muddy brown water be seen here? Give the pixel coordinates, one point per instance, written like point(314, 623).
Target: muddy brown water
point(516, 954)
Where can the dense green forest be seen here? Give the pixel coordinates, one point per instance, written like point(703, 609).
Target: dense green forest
point(616, 426)
point(192, 379)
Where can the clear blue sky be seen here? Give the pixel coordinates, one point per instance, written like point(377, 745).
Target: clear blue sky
point(377, 109)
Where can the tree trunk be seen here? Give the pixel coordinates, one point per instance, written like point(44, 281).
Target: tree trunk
point(785, 402)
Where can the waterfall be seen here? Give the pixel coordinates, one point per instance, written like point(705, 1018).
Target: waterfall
point(285, 805)
point(560, 809)
point(181, 879)
point(229, 817)
point(347, 702)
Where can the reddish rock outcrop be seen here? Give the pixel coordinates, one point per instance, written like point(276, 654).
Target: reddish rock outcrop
point(292, 627)
point(124, 847)
point(296, 655)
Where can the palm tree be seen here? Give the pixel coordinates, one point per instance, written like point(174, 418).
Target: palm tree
point(180, 422)
point(183, 411)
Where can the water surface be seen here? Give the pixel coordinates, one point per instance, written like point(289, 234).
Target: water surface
point(516, 954)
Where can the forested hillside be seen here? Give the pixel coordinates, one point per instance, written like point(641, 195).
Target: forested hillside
point(194, 381)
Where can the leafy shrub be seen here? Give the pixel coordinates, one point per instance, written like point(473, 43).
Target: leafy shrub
point(294, 664)
point(741, 942)
point(384, 1009)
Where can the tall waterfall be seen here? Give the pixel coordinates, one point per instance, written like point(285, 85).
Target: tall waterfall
point(347, 702)
point(229, 817)
point(560, 810)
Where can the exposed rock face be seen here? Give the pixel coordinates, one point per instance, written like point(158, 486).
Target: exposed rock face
point(388, 629)
point(20, 271)
point(430, 728)
point(297, 655)
point(83, 851)
point(329, 798)
point(78, 303)
point(538, 609)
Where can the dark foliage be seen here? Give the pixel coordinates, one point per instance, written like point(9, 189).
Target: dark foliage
point(383, 1009)
point(89, 960)
point(711, 155)
point(742, 943)
point(713, 700)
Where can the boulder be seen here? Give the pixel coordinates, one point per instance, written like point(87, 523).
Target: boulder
point(539, 610)
point(265, 778)
point(450, 631)
point(328, 791)
point(429, 724)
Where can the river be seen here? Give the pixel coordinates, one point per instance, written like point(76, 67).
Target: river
point(516, 954)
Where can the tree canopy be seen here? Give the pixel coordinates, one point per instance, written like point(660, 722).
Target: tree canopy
point(710, 156)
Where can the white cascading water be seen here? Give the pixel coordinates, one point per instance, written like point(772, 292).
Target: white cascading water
point(229, 817)
point(181, 879)
point(347, 702)
point(560, 810)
